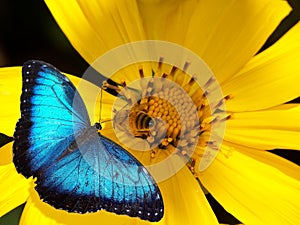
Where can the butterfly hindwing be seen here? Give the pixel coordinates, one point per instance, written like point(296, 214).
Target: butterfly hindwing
point(101, 175)
point(77, 169)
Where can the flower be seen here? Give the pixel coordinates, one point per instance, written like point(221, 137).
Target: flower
point(254, 185)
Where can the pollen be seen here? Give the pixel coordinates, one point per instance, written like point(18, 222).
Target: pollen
point(169, 111)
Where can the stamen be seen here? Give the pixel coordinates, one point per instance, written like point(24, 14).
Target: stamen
point(141, 72)
point(210, 81)
point(189, 85)
point(227, 97)
point(160, 62)
point(123, 83)
point(220, 103)
point(227, 117)
point(106, 85)
point(186, 65)
point(164, 75)
point(173, 71)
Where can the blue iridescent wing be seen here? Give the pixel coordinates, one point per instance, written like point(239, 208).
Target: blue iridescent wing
point(49, 119)
point(97, 175)
point(112, 180)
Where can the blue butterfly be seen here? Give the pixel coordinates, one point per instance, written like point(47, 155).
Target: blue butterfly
point(77, 169)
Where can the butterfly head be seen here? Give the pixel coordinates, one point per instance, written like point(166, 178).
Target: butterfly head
point(98, 126)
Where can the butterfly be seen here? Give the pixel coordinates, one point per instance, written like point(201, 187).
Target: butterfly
point(77, 169)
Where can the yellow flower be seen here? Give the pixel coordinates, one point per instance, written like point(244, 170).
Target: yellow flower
point(254, 185)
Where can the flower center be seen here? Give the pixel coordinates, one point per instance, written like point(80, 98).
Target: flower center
point(155, 117)
point(166, 112)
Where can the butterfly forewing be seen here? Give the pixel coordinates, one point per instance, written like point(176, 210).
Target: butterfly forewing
point(47, 120)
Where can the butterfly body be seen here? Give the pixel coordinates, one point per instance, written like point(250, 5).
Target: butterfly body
point(77, 168)
point(83, 137)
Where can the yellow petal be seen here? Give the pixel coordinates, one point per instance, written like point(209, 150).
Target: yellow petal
point(226, 34)
point(285, 166)
point(270, 78)
point(255, 186)
point(93, 96)
point(94, 27)
point(167, 20)
point(14, 188)
point(185, 201)
point(184, 204)
point(6, 154)
point(10, 91)
point(107, 104)
point(266, 129)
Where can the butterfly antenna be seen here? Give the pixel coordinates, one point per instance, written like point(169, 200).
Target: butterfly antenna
point(105, 121)
point(100, 112)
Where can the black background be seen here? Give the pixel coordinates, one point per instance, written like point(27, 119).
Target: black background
point(28, 31)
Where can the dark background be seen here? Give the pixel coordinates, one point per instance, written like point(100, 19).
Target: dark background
point(28, 31)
